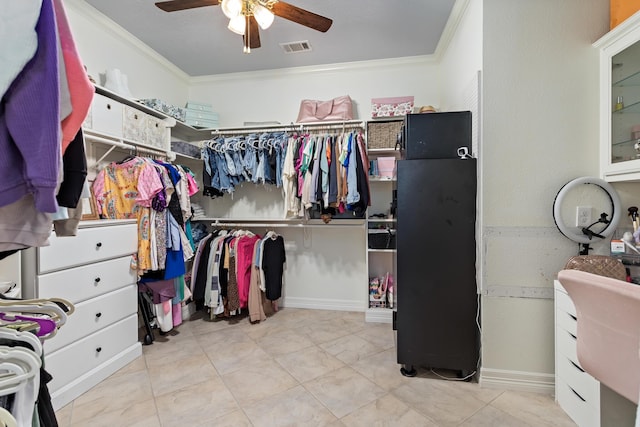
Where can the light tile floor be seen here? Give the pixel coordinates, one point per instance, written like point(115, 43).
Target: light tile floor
point(298, 368)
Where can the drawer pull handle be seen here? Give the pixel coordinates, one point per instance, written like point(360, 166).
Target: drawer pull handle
point(572, 316)
point(108, 106)
point(572, 336)
point(577, 367)
point(99, 245)
point(100, 315)
point(97, 280)
point(99, 349)
point(576, 393)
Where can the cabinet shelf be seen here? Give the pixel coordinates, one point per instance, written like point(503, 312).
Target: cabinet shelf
point(627, 142)
point(380, 179)
point(631, 108)
point(382, 151)
point(390, 251)
point(632, 80)
point(381, 219)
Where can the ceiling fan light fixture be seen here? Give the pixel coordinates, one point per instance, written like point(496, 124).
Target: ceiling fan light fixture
point(263, 15)
point(237, 24)
point(231, 8)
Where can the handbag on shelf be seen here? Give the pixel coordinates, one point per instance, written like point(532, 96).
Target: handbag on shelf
point(601, 265)
point(336, 109)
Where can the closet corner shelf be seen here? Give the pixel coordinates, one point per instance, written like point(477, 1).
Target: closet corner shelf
point(380, 179)
point(180, 129)
point(281, 223)
point(389, 251)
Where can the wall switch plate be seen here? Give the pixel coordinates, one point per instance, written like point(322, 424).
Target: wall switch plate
point(583, 216)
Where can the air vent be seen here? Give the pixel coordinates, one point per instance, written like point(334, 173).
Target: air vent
point(296, 47)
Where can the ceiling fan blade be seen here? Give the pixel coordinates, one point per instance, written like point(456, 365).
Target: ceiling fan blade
point(301, 16)
point(254, 33)
point(174, 5)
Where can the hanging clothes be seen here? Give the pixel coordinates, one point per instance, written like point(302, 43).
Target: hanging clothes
point(273, 260)
point(229, 161)
point(126, 190)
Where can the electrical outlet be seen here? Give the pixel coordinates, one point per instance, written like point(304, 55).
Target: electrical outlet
point(583, 216)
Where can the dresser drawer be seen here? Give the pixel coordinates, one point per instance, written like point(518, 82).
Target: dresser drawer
point(581, 382)
point(76, 359)
point(567, 343)
point(106, 115)
point(564, 303)
point(90, 245)
point(566, 321)
point(92, 315)
point(82, 283)
point(584, 414)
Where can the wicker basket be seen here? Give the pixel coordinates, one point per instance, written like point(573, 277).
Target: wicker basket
point(383, 134)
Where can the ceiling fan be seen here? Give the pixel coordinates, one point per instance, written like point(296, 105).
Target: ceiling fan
point(247, 16)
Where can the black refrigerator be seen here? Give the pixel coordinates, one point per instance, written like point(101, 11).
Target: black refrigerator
point(437, 302)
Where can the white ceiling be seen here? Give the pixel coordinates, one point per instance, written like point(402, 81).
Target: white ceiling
point(198, 42)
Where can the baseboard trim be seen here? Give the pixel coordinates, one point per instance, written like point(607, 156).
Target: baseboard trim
point(535, 382)
point(323, 304)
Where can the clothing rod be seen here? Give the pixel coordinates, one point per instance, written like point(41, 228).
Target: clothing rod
point(293, 127)
point(120, 144)
point(279, 225)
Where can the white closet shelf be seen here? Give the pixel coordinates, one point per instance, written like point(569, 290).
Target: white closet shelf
point(280, 223)
point(379, 315)
point(180, 130)
point(383, 151)
point(379, 179)
point(291, 127)
point(116, 142)
point(185, 156)
point(382, 250)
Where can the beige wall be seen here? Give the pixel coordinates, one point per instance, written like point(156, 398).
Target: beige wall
point(540, 130)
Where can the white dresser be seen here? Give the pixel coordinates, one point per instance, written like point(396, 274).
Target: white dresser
point(577, 392)
point(91, 270)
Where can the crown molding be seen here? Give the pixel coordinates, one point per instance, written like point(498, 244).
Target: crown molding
point(451, 27)
point(316, 69)
point(116, 30)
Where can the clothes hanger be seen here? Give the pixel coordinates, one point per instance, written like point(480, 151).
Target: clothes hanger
point(44, 326)
point(65, 305)
point(24, 337)
point(49, 308)
point(6, 419)
point(23, 363)
point(62, 303)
